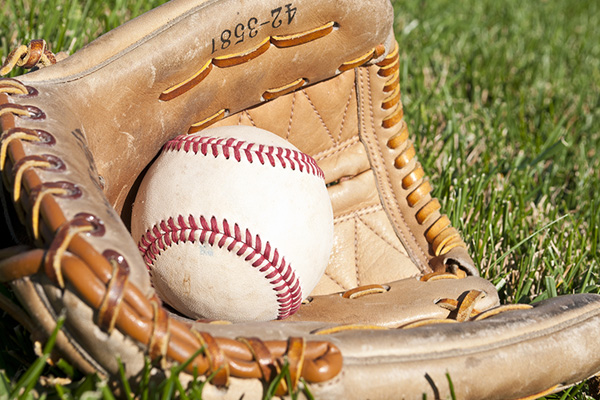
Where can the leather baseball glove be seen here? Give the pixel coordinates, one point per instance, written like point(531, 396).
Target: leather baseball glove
point(401, 306)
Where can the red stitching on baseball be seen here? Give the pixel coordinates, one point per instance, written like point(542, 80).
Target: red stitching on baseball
point(231, 147)
point(280, 275)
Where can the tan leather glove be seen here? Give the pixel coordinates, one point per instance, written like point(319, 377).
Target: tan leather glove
point(400, 305)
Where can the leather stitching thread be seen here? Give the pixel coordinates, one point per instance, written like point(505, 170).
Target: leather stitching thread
point(321, 119)
point(441, 240)
point(250, 119)
point(239, 149)
point(353, 214)
point(240, 58)
point(357, 216)
point(292, 110)
point(330, 276)
point(322, 360)
point(389, 199)
point(335, 146)
point(381, 155)
point(233, 238)
point(356, 268)
point(334, 150)
point(351, 95)
point(379, 235)
point(193, 81)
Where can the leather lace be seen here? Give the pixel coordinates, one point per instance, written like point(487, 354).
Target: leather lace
point(35, 54)
point(439, 232)
point(102, 280)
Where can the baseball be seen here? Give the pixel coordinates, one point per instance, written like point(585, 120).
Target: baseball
point(234, 223)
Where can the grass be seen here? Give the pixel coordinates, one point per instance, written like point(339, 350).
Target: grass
point(503, 102)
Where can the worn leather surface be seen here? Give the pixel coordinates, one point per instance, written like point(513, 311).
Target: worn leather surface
point(377, 235)
point(107, 108)
point(152, 47)
point(87, 87)
point(323, 121)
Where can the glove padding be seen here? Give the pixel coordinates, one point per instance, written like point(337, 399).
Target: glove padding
point(78, 135)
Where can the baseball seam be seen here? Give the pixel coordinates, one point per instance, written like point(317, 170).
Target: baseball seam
point(242, 242)
point(239, 149)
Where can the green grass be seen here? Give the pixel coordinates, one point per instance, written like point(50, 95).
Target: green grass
point(66, 25)
point(503, 102)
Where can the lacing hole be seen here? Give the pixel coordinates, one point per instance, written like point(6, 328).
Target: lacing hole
point(112, 255)
point(97, 224)
point(31, 92)
point(45, 138)
point(56, 163)
point(75, 192)
point(35, 113)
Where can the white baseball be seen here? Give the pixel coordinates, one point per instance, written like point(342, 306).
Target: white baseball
point(234, 223)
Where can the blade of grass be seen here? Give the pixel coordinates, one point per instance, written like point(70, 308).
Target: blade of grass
point(527, 239)
point(29, 379)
